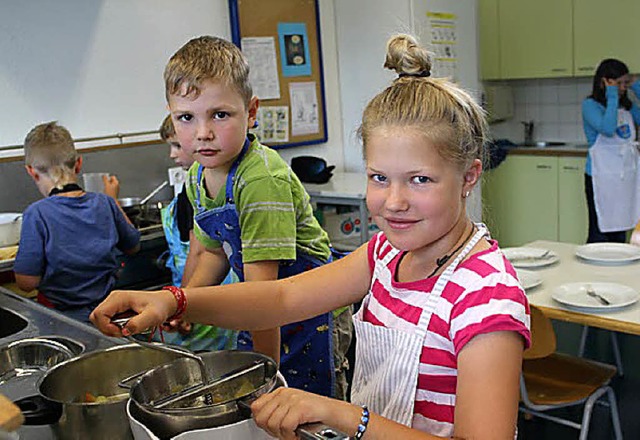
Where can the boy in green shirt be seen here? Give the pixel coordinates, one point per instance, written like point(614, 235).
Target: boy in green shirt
point(252, 214)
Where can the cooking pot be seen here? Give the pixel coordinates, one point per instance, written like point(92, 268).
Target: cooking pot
point(10, 224)
point(229, 417)
point(138, 202)
point(63, 401)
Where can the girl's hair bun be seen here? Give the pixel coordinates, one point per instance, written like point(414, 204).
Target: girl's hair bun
point(406, 57)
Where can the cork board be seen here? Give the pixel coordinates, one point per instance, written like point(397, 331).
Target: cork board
point(281, 40)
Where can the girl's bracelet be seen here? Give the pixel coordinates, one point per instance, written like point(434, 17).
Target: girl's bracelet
point(181, 299)
point(364, 422)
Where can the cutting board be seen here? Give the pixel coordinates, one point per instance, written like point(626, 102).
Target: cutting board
point(10, 416)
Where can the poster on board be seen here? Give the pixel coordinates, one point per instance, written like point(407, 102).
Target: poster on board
point(294, 49)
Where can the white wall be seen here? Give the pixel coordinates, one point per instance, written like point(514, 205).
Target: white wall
point(96, 66)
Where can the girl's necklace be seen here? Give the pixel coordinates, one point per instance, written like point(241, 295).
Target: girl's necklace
point(443, 260)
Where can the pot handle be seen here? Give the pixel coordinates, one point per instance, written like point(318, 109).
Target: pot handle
point(39, 411)
point(308, 431)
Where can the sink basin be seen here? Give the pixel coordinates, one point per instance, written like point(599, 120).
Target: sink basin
point(11, 323)
point(545, 144)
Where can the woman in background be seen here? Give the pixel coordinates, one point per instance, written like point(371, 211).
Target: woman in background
point(609, 119)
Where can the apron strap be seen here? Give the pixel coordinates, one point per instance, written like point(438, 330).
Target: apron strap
point(434, 296)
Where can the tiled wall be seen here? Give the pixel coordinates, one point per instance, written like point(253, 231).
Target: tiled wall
point(553, 104)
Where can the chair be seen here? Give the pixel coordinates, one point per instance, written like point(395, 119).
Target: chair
point(552, 380)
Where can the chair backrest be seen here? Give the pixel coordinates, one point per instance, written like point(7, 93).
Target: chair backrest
point(543, 337)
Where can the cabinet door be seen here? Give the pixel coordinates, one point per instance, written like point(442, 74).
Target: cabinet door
point(572, 205)
point(521, 199)
point(605, 30)
point(536, 38)
point(489, 39)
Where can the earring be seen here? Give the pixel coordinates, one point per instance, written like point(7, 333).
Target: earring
point(466, 194)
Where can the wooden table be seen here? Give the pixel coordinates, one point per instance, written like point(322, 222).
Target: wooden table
point(571, 269)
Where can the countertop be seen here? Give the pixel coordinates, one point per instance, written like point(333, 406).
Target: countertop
point(570, 149)
point(43, 322)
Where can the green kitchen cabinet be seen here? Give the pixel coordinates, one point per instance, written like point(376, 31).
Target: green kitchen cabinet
point(573, 221)
point(536, 38)
point(532, 197)
point(605, 30)
point(489, 39)
point(520, 199)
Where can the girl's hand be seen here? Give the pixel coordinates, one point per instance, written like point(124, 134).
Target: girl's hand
point(111, 186)
point(609, 82)
point(282, 411)
point(152, 309)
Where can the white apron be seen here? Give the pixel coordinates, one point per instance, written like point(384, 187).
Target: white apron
point(616, 181)
point(388, 360)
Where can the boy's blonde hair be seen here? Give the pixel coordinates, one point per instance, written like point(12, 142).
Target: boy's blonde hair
point(167, 130)
point(207, 58)
point(49, 149)
point(446, 115)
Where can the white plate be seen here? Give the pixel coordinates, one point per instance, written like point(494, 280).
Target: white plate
point(528, 279)
point(575, 295)
point(530, 257)
point(609, 253)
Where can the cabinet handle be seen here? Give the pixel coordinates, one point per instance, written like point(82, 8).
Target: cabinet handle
point(571, 168)
point(543, 167)
point(586, 69)
point(559, 70)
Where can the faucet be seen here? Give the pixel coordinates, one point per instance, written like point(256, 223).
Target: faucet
point(528, 132)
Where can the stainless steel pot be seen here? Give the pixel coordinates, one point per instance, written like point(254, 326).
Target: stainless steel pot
point(62, 401)
point(231, 399)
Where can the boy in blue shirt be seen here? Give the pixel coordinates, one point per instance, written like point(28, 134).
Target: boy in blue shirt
point(69, 239)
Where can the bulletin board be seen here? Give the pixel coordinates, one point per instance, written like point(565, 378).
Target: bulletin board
point(281, 40)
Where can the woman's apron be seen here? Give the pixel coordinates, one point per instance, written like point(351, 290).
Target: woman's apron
point(388, 360)
point(306, 358)
point(616, 180)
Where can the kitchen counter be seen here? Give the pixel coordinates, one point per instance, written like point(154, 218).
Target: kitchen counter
point(42, 321)
point(571, 149)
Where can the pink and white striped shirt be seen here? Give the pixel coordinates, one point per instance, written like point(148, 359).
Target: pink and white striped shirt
point(482, 296)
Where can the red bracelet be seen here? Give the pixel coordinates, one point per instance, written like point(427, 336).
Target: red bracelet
point(181, 299)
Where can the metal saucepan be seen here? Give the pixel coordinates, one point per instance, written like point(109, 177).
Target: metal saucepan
point(81, 397)
point(139, 202)
point(231, 398)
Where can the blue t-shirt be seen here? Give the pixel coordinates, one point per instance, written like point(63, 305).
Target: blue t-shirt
point(71, 242)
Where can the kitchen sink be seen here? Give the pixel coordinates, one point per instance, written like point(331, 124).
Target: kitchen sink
point(11, 323)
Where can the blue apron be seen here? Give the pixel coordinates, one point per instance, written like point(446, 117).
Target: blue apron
point(306, 352)
point(202, 337)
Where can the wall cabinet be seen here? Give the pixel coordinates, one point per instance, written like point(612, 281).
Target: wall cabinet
point(535, 38)
point(555, 38)
point(530, 198)
point(605, 30)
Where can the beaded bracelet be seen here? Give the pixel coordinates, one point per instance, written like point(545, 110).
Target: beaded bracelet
point(364, 421)
point(181, 299)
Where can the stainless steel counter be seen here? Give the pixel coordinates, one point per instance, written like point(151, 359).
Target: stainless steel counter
point(43, 322)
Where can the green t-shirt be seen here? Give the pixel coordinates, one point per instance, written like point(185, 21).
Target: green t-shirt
point(276, 217)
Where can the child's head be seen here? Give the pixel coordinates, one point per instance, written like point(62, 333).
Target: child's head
point(204, 59)
point(210, 100)
point(49, 151)
point(423, 141)
point(617, 71)
point(176, 152)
